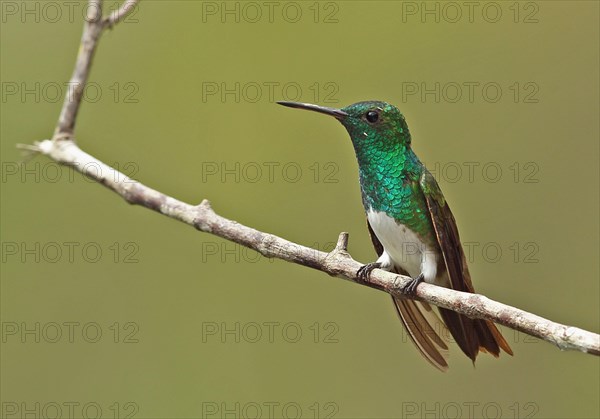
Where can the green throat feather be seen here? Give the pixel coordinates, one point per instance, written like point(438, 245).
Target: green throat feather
point(389, 169)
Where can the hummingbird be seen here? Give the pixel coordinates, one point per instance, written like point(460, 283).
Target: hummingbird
point(412, 230)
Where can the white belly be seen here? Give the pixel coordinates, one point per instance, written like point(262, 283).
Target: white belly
point(402, 247)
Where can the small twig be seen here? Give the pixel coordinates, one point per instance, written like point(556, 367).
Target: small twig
point(62, 149)
point(342, 243)
point(92, 30)
point(119, 14)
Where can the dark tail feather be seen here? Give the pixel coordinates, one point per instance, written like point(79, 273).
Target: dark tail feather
point(493, 334)
point(474, 335)
point(463, 331)
point(420, 321)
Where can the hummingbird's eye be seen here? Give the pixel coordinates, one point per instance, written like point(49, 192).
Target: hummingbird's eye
point(372, 116)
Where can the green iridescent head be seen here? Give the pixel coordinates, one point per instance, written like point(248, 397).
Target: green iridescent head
point(367, 120)
point(382, 145)
point(373, 123)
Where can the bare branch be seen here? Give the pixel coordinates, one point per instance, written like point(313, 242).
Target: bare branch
point(92, 30)
point(119, 14)
point(336, 263)
point(93, 12)
point(62, 149)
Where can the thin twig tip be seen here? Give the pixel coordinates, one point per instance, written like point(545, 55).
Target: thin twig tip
point(342, 242)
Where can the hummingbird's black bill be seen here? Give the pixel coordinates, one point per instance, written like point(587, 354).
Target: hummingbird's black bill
point(336, 113)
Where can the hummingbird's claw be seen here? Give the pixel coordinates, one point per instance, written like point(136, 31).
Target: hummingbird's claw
point(411, 287)
point(365, 270)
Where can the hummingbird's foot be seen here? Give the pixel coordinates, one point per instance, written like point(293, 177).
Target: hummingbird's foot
point(365, 270)
point(411, 287)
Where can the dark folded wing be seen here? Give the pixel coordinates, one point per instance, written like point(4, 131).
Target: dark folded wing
point(447, 234)
point(471, 335)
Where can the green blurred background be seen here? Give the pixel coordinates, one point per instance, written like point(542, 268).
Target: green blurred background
point(179, 311)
